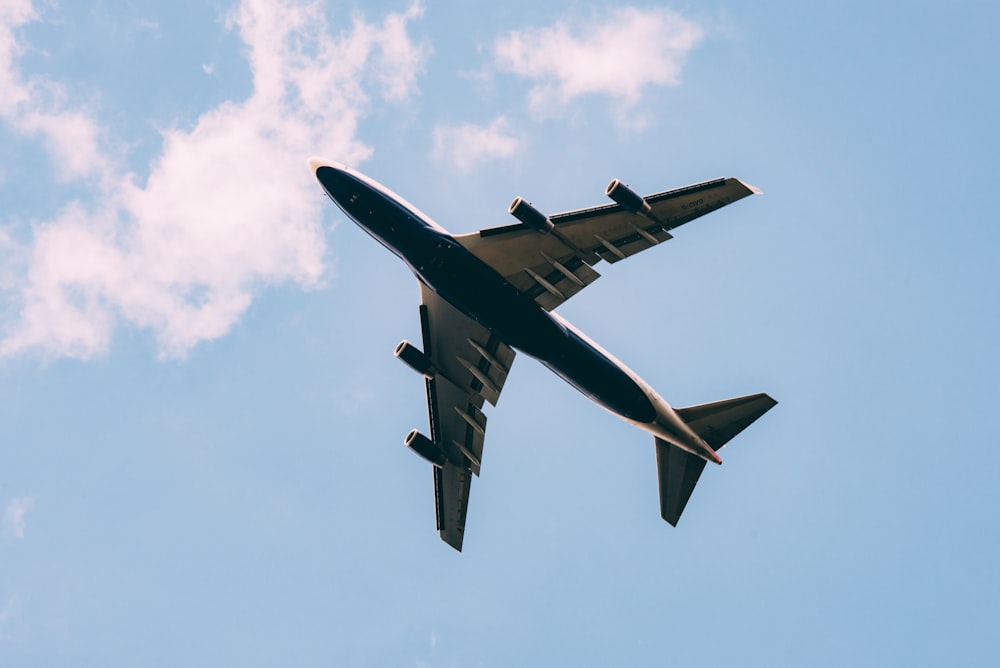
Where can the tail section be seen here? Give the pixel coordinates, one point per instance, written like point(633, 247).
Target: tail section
point(716, 423)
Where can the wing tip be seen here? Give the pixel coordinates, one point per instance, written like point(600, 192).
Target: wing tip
point(671, 520)
point(455, 541)
point(754, 190)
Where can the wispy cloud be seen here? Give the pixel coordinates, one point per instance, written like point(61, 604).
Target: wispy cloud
point(227, 207)
point(13, 515)
point(617, 55)
point(468, 144)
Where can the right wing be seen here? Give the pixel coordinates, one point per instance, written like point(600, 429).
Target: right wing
point(552, 267)
point(470, 365)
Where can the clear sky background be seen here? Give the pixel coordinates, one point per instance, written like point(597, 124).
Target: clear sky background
point(201, 420)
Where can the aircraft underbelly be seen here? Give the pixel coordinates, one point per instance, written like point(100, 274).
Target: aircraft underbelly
point(490, 300)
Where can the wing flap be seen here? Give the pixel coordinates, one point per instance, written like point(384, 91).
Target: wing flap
point(551, 281)
point(633, 239)
point(542, 266)
point(452, 484)
point(450, 415)
point(466, 353)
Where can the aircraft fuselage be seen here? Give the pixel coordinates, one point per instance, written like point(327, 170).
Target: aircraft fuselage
point(449, 269)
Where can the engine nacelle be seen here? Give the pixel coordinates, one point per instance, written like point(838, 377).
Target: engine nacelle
point(425, 447)
point(627, 197)
point(415, 359)
point(529, 215)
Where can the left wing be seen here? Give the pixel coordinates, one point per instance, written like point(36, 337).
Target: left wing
point(550, 260)
point(468, 365)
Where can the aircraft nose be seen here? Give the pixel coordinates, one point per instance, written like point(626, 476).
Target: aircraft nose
point(335, 179)
point(316, 162)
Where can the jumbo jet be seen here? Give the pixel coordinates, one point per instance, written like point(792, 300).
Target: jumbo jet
point(488, 293)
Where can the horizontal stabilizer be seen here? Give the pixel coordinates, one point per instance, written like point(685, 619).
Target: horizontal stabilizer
point(716, 423)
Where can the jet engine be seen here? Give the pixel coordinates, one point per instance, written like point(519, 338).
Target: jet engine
point(627, 197)
point(529, 215)
point(414, 358)
point(425, 447)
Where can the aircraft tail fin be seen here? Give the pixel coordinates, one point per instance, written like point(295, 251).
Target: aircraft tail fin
point(678, 472)
point(716, 423)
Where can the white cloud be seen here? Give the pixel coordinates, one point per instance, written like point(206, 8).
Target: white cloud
point(13, 515)
point(228, 206)
point(468, 144)
point(617, 55)
point(35, 107)
point(13, 13)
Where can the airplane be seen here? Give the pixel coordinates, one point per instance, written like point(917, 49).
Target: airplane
point(485, 294)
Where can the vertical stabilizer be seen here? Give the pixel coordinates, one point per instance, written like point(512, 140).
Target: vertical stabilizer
point(678, 473)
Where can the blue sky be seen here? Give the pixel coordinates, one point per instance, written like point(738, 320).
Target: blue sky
point(201, 420)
